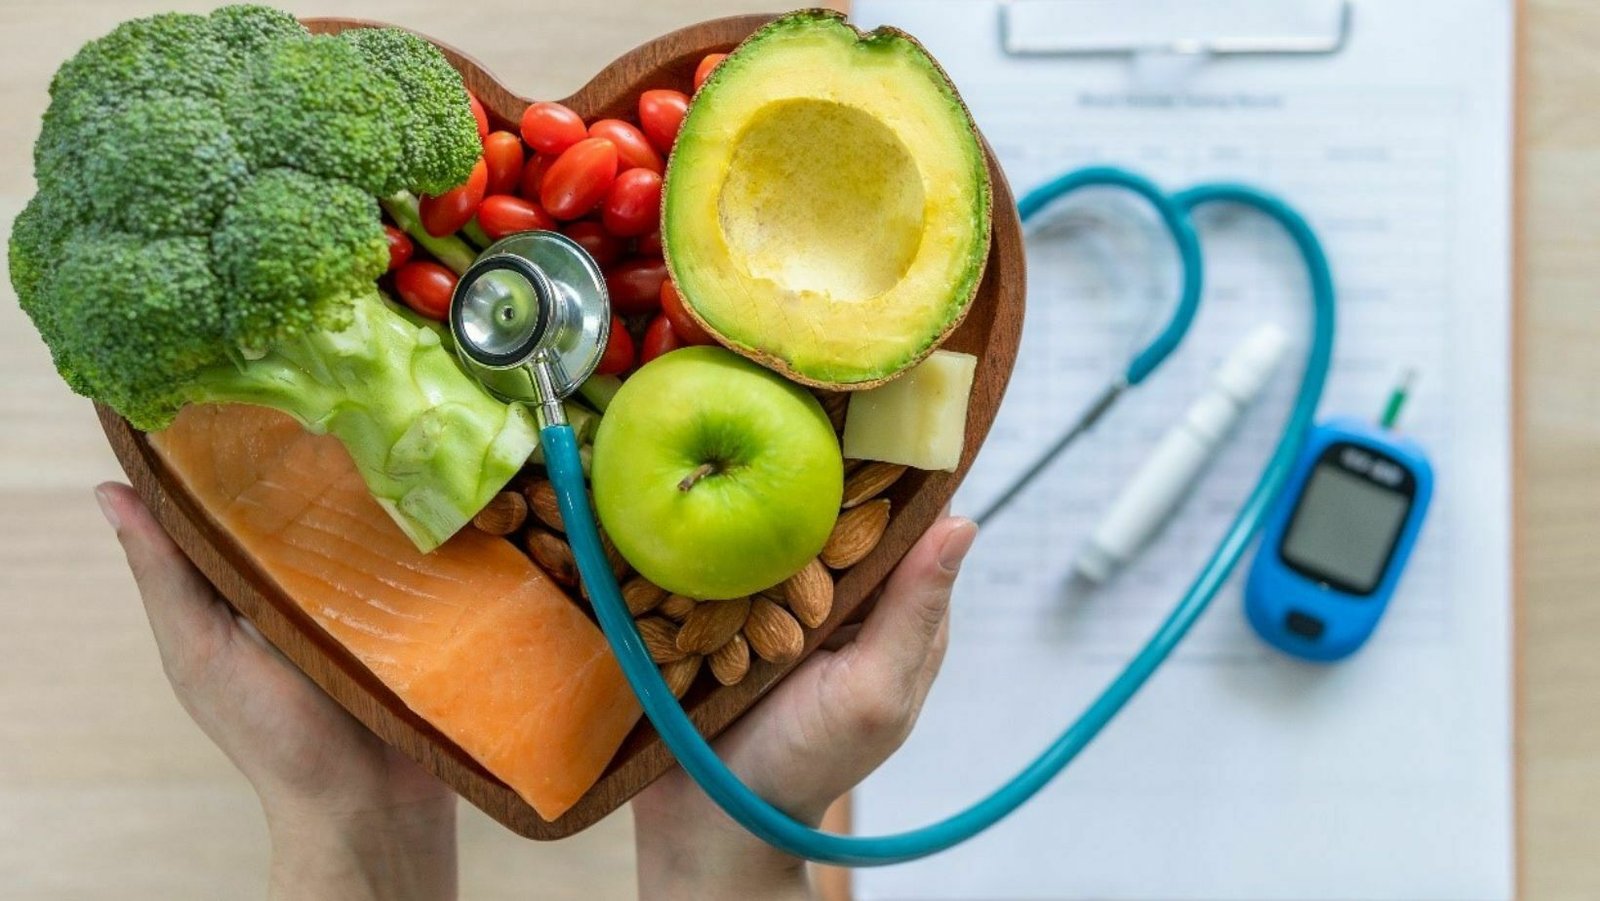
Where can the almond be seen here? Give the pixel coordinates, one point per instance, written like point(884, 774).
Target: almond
point(773, 634)
point(677, 607)
point(855, 534)
point(553, 556)
point(642, 595)
point(809, 593)
point(711, 623)
point(660, 637)
point(731, 662)
point(680, 674)
point(870, 481)
point(504, 514)
point(542, 501)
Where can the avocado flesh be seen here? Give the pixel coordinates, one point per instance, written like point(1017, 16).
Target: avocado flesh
point(827, 203)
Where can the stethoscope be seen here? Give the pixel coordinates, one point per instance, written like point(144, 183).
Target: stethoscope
point(530, 319)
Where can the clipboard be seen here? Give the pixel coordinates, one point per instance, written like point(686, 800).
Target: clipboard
point(1050, 28)
point(1020, 34)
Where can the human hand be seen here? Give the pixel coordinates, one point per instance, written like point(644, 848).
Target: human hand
point(832, 721)
point(349, 816)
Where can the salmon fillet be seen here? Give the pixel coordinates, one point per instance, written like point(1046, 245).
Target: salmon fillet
point(473, 637)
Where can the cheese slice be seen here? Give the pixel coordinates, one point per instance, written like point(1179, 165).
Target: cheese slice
point(919, 419)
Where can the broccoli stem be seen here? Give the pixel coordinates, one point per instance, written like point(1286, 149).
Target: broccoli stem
point(585, 456)
point(420, 321)
point(404, 208)
point(475, 234)
point(598, 390)
point(584, 421)
point(432, 445)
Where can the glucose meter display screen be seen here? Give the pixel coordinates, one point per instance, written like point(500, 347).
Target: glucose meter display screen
point(1344, 529)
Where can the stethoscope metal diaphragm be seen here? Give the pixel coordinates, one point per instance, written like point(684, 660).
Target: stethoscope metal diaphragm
point(531, 317)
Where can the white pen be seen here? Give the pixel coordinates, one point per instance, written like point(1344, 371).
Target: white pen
point(1156, 489)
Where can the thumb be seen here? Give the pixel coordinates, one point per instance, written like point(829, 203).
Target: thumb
point(906, 631)
point(183, 609)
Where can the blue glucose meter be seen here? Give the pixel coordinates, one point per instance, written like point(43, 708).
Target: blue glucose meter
point(1339, 537)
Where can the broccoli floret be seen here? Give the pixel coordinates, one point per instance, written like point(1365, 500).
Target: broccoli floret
point(170, 53)
point(206, 230)
point(37, 235)
point(245, 32)
point(189, 171)
point(138, 319)
point(291, 249)
point(297, 105)
point(435, 122)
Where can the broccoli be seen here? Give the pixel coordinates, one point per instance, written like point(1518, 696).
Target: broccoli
point(207, 230)
point(432, 145)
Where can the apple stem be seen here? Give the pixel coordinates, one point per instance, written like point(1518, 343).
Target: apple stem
point(700, 472)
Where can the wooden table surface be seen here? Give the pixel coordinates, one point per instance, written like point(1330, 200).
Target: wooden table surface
point(107, 790)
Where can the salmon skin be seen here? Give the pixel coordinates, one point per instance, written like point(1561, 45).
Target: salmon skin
point(473, 637)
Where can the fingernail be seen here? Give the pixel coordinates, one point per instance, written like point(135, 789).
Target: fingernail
point(103, 497)
point(956, 545)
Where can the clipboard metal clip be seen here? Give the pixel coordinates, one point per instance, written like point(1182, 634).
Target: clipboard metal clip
point(1025, 31)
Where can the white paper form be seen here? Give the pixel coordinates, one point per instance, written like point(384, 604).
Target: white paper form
point(1237, 773)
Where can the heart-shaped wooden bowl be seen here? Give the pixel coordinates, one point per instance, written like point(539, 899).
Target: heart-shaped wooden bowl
point(991, 332)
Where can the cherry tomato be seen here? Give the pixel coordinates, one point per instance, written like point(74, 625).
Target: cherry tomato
point(703, 71)
point(635, 286)
point(649, 245)
point(633, 205)
point(660, 115)
point(551, 128)
point(478, 114)
point(659, 338)
point(426, 287)
point(503, 215)
point(400, 246)
point(533, 175)
point(605, 247)
point(618, 356)
point(502, 151)
point(579, 178)
point(633, 148)
point(683, 324)
point(445, 214)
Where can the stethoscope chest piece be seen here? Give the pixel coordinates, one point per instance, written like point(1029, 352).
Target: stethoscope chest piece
point(531, 317)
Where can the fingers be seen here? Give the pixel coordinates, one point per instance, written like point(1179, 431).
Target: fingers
point(846, 634)
point(844, 711)
point(185, 615)
point(882, 678)
point(907, 627)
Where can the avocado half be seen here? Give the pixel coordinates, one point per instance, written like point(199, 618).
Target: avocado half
point(827, 204)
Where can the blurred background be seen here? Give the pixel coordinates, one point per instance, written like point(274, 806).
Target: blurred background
point(107, 789)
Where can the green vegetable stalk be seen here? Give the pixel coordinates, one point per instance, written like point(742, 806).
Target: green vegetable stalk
point(475, 234)
point(432, 446)
point(406, 211)
point(598, 390)
point(206, 231)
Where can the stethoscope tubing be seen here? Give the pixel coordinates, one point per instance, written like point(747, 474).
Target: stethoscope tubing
point(782, 831)
point(1174, 217)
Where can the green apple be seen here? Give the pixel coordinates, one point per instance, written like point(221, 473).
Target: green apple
point(714, 477)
